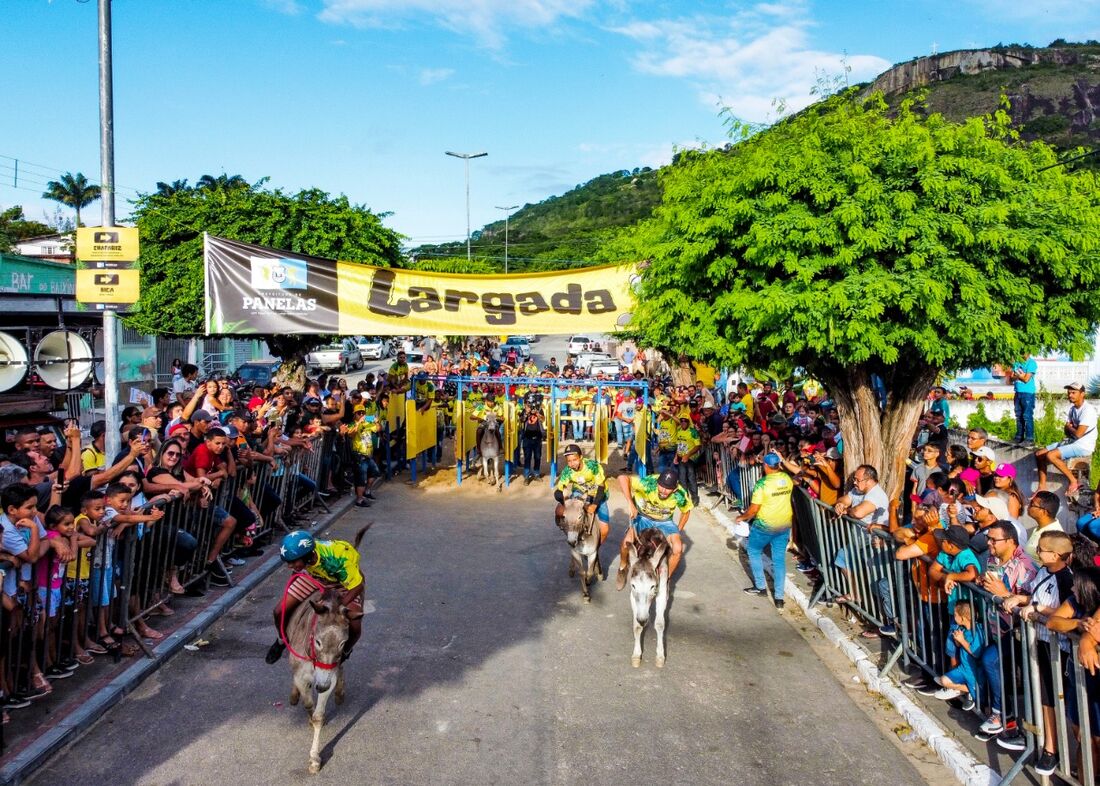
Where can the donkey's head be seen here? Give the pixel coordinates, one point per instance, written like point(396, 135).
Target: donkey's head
point(647, 551)
point(328, 636)
point(575, 521)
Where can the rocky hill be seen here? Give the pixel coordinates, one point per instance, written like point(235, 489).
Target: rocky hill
point(1054, 91)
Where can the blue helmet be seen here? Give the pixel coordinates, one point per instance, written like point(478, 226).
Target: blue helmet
point(296, 544)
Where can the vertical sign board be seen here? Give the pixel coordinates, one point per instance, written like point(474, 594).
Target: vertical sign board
point(109, 280)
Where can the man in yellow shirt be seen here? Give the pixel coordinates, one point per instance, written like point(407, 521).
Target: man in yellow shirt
point(667, 431)
point(92, 458)
point(688, 445)
point(334, 564)
point(771, 516)
point(745, 398)
point(652, 500)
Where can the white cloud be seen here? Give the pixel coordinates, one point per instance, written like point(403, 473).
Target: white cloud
point(429, 76)
point(749, 59)
point(291, 7)
point(485, 20)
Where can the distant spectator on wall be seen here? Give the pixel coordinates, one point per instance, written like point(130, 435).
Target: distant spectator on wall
point(1024, 388)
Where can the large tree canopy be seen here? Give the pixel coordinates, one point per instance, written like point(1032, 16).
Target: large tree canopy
point(173, 220)
point(855, 242)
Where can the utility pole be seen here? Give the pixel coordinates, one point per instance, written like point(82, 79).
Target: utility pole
point(466, 157)
point(107, 200)
point(508, 211)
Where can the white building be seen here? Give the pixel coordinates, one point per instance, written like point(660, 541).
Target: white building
point(55, 248)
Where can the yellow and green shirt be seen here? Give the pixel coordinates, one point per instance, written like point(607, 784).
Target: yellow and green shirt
point(667, 431)
point(586, 481)
point(773, 494)
point(687, 440)
point(361, 434)
point(649, 503)
point(398, 375)
point(337, 563)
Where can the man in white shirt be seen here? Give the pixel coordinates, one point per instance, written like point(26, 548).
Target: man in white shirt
point(183, 386)
point(1080, 441)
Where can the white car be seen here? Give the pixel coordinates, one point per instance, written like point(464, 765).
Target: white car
point(609, 368)
point(375, 347)
point(519, 343)
point(585, 360)
point(342, 354)
point(532, 339)
point(578, 344)
point(415, 360)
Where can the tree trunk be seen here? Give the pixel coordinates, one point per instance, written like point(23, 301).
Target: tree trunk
point(880, 438)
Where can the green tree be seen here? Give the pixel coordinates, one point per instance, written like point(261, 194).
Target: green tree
point(222, 182)
point(14, 227)
point(856, 242)
point(167, 189)
point(308, 222)
point(72, 190)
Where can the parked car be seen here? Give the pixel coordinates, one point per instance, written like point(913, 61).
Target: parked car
point(585, 360)
point(532, 339)
point(256, 372)
point(520, 344)
point(578, 344)
point(375, 347)
point(609, 367)
point(342, 354)
point(415, 360)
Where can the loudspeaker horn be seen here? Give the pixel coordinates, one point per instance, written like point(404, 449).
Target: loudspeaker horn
point(63, 359)
point(13, 361)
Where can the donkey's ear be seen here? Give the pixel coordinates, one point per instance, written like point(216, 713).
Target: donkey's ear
point(319, 607)
point(658, 553)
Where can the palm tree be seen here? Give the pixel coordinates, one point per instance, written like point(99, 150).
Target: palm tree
point(222, 182)
point(168, 189)
point(72, 190)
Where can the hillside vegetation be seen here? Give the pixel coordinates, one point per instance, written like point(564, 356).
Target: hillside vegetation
point(1054, 96)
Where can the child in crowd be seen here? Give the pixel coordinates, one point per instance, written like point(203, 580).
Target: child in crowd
point(121, 515)
point(964, 648)
point(49, 579)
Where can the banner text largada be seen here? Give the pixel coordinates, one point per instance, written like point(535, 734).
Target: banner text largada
point(252, 289)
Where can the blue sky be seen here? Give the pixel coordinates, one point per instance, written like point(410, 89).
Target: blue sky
point(362, 97)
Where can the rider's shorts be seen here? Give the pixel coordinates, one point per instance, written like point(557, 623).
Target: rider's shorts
point(667, 527)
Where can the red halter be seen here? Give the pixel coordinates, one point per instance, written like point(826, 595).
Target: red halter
point(312, 628)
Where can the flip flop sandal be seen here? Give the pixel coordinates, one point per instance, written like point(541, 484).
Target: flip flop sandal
point(95, 648)
point(85, 659)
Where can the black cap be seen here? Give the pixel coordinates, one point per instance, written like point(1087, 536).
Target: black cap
point(668, 479)
point(956, 534)
point(574, 450)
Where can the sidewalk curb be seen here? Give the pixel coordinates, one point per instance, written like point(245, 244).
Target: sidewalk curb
point(24, 764)
point(967, 769)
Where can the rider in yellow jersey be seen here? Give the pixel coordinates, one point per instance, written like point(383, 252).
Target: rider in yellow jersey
point(652, 502)
point(333, 563)
point(584, 479)
point(397, 378)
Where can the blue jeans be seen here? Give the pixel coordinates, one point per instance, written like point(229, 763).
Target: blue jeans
point(1025, 416)
point(664, 459)
point(761, 538)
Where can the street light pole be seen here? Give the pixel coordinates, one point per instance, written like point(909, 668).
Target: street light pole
point(107, 201)
point(466, 157)
point(507, 215)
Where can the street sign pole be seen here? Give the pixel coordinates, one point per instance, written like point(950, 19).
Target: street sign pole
point(107, 199)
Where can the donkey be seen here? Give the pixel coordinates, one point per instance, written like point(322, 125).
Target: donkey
point(583, 534)
point(316, 633)
point(489, 448)
point(648, 579)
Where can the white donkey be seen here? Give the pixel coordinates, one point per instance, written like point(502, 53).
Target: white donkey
point(315, 635)
point(648, 580)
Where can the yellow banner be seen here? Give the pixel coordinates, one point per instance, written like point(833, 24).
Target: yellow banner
point(420, 430)
point(641, 432)
point(511, 429)
point(387, 301)
point(553, 424)
point(396, 411)
point(601, 449)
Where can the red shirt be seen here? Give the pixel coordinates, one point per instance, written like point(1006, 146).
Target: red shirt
point(202, 458)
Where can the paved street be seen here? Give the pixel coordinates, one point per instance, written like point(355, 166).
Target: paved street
point(480, 664)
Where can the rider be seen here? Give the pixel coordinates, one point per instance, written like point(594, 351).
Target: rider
point(584, 479)
point(335, 563)
point(423, 391)
point(482, 410)
point(652, 500)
